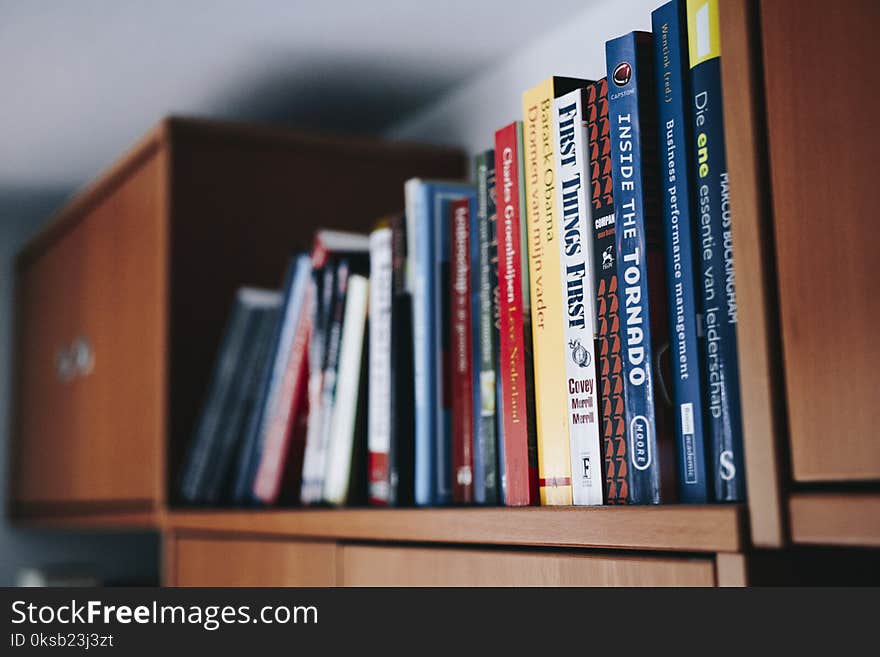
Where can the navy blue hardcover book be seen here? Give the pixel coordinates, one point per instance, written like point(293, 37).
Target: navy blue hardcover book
point(427, 279)
point(715, 246)
point(632, 114)
point(673, 98)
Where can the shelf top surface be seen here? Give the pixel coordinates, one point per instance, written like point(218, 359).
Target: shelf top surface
point(716, 528)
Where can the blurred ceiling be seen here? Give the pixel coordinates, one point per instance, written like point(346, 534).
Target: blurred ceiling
point(80, 81)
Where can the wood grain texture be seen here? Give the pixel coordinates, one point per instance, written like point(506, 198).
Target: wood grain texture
point(836, 519)
point(682, 528)
point(731, 570)
point(400, 566)
point(761, 387)
point(95, 436)
point(822, 107)
point(213, 561)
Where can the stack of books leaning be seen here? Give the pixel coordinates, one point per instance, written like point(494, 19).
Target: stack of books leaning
point(561, 330)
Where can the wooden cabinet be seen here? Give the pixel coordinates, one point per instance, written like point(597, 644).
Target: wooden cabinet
point(123, 298)
point(211, 561)
point(821, 83)
point(411, 566)
point(91, 339)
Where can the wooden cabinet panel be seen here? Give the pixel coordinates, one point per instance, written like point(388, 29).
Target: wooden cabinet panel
point(94, 299)
point(49, 393)
point(400, 566)
point(210, 561)
point(821, 84)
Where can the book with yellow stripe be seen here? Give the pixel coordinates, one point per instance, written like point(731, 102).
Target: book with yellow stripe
point(548, 314)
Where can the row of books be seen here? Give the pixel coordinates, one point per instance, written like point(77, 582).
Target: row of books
point(560, 331)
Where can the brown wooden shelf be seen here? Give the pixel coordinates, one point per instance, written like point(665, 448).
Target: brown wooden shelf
point(835, 518)
point(668, 528)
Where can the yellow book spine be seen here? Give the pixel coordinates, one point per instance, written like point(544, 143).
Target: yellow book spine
point(554, 459)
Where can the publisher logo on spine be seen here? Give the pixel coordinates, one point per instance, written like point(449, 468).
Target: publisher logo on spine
point(622, 74)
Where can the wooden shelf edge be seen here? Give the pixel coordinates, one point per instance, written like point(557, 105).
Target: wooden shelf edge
point(87, 516)
point(851, 519)
point(665, 528)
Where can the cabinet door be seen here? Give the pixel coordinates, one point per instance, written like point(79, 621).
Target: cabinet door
point(403, 566)
point(821, 79)
point(218, 561)
point(94, 301)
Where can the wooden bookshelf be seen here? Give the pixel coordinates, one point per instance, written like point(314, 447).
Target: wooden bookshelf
point(667, 528)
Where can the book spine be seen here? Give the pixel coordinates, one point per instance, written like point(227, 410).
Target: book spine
point(379, 400)
point(322, 294)
point(608, 339)
point(342, 434)
point(420, 235)
point(578, 289)
point(278, 447)
point(462, 360)
point(632, 113)
point(440, 352)
point(519, 472)
point(715, 246)
point(485, 345)
point(670, 50)
point(401, 464)
point(280, 390)
point(554, 461)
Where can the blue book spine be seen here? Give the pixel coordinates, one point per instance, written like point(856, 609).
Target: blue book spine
point(421, 235)
point(715, 246)
point(632, 115)
point(670, 50)
point(441, 196)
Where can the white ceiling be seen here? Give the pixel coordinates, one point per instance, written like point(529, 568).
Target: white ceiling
point(80, 81)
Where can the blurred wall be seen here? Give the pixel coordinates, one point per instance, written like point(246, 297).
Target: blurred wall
point(123, 558)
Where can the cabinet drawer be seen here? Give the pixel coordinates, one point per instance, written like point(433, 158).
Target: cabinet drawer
point(92, 355)
point(393, 566)
point(213, 561)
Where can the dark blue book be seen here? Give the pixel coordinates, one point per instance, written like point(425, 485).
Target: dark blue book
point(639, 240)
point(427, 232)
point(484, 287)
point(715, 247)
point(673, 99)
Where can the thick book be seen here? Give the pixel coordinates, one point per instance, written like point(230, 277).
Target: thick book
point(281, 397)
point(640, 268)
point(608, 339)
point(233, 359)
point(673, 98)
point(578, 294)
point(379, 400)
point(345, 438)
point(427, 231)
point(464, 394)
point(484, 248)
point(715, 246)
point(401, 456)
point(554, 459)
point(518, 448)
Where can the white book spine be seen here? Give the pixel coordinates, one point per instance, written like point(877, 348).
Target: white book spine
point(340, 443)
point(379, 411)
point(577, 280)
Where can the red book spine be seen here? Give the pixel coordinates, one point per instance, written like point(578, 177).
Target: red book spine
point(283, 443)
point(608, 342)
point(462, 378)
point(520, 469)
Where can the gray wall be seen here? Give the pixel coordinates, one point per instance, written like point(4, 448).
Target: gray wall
point(122, 558)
